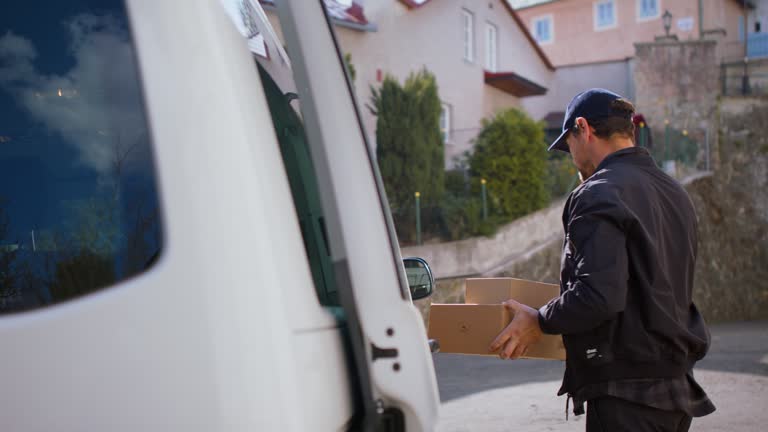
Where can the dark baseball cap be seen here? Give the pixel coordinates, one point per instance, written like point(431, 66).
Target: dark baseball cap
point(592, 104)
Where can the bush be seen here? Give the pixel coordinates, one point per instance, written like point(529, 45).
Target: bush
point(562, 175)
point(511, 154)
point(462, 209)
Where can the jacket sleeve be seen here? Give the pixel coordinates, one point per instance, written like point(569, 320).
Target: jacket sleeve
point(597, 270)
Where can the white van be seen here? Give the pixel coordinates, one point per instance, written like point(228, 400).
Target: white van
point(191, 239)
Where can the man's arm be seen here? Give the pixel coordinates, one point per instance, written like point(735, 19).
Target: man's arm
point(600, 268)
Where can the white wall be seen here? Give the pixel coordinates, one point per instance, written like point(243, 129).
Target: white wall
point(570, 80)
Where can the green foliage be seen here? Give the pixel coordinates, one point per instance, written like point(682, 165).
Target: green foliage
point(674, 145)
point(410, 149)
point(562, 175)
point(511, 154)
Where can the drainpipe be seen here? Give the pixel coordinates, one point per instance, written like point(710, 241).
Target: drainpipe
point(701, 19)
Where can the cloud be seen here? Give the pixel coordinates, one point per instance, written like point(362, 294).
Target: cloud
point(95, 105)
point(19, 53)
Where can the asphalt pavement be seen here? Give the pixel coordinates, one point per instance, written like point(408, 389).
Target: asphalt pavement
point(488, 394)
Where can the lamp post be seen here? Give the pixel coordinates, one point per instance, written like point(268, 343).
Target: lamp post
point(745, 74)
point(667, 20)
point(666, 139)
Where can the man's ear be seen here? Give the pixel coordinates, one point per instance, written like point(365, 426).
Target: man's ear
point(580, 125)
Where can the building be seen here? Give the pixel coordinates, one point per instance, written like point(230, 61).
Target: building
point(616, 25)
point(592, 42)
point(481, 53)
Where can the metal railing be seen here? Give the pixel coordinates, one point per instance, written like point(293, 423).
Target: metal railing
point(748, 77)
point(471, 208)
point(679, 151)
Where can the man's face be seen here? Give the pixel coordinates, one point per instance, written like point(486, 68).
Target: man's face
point(578, 145)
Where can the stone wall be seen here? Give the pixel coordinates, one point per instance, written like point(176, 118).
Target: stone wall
point(541, 264)
point(490, 255)
point(732, 206)
point(679, 82)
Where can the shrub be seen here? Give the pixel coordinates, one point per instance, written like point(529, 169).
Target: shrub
point(511, 154)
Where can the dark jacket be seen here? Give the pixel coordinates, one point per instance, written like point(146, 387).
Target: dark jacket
point(625, 309)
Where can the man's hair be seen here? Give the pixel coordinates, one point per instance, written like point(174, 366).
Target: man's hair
point(618, 124)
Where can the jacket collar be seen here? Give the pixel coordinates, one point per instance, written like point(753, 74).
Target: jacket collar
point(637, 155)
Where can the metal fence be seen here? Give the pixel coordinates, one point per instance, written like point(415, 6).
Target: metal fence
point(679, 151)
point(470, 207)
point(746, 77)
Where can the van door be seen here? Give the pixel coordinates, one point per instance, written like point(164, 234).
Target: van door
point(153, 274)
point(394, 370)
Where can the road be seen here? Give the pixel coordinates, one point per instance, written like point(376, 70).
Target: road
point(488, 394)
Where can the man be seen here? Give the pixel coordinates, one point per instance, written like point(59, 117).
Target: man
point(631, 331)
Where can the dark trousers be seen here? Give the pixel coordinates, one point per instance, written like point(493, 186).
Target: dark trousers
point(609, 414)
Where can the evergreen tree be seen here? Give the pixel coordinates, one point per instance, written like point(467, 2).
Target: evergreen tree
point(409, 148)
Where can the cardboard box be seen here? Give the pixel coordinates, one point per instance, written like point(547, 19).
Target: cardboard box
point(470, 328)
point(499, 290)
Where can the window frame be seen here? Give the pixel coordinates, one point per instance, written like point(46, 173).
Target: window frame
point(596, 14)
point(641, 18)
point(468, 35)
point(550, 20)
point(445, 113)
point(491, 47)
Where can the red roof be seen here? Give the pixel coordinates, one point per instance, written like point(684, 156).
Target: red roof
point(352, 14)
point(528, 36)
point(514, 84)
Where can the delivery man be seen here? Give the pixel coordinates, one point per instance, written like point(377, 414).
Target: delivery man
point(631, 331)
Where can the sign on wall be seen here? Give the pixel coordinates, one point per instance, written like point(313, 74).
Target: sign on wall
point(685, 24)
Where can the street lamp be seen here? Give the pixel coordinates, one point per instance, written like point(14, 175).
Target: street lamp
point(667, 20)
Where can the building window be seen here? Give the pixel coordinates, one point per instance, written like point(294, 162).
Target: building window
point(741, 28)
point(468, 26)
point(445, 122)
point(648, 9)
point(605, 14)
point(543, 30)
point(491, 48)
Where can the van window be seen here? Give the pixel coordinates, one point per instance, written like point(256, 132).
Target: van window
point(78, 200)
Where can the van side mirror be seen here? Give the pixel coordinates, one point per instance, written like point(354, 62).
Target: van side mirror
point(420, 279)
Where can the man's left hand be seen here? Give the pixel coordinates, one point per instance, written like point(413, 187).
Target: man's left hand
point(522, 332)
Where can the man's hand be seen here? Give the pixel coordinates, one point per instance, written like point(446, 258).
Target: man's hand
point(522, 332)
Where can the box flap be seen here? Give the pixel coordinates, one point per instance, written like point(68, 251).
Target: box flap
point(499, 290)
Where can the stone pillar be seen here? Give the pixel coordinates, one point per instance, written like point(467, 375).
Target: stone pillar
point(679, 81)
